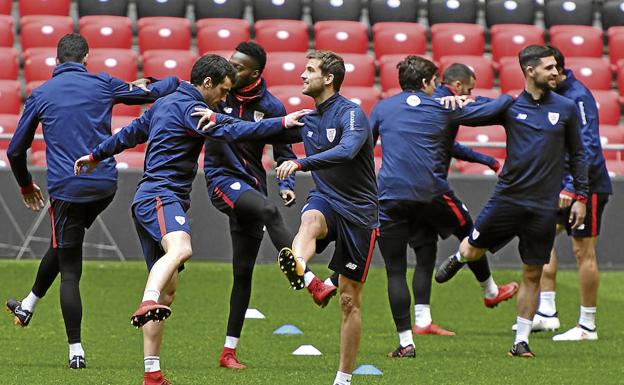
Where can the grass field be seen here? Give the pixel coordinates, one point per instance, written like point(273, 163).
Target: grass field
point(111, 291)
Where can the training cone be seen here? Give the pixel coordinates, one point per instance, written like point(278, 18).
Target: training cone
point(254, 314)
point(307, 350)
point(368, 370)
point(288, 329)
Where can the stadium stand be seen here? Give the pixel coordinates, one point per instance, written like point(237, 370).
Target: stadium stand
point(611, 13)
point(125, 110)
point(359, 70)
point(510, 12)
point(568, 12)
point(392, 10)
point(610, 134)
point(484, 134)
point(39, 63)
point(44, 31)
point(120, 63)
point(284, 68)
point(615, 35)
point(44, 7)
point(164, 33)
point(107, 31)
point(365, 97)
point(162, 63)
point(8, 124)
point(282, 35)
point(335, 10)
point(608, 107)
point(219, 9)
point(9, 63)
point(109, 7)
point(152, 8)
point(5, 7)
point(220, 34)
point(510, 75)
point(341, 36)
point(277, 9)
point(506, 40)
point(595, 73)
point(577, 40)
point(391, 38)
point(452, 11)
point(6, 31)
point(291, 97)
point(457, 39)
point(480, 65)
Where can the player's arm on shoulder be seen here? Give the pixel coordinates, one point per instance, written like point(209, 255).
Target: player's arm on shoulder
point(141, 91)
point(482, 111)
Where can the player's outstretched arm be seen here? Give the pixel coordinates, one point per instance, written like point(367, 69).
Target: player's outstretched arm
point(140, 91)
point(467, 154)
point(482, 112)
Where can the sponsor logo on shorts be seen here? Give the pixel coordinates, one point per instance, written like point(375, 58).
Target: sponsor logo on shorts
point(228, 110)
point(351, 266)
point(235, 186)
point(258, 115)
point(553, 117)
point(521, 116)
point(475, 234)
point(581, 227)
point(464, 207)
point(331, 134)
point(310, 133)
point(180, 219)
point(304, 207)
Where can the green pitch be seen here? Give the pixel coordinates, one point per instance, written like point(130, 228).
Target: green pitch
point(195, 333)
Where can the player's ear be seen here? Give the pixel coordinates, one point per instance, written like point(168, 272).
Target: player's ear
point(329, 79)
point(207, 83)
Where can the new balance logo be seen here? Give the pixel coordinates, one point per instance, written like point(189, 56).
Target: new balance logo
point(351, 266)
point(521, 116)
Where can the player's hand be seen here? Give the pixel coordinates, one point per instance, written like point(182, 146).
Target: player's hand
point(140, 83)
point(565, 199)
point(286, 169)
point(205, 114)
point(292, 120)
point(85, 161)
point(495, 166)
point(577, 214)
point(453, 102)
point(32, 197)
point(288, 197)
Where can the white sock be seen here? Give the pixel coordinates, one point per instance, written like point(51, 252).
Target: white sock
point(459, 257)
point(231, 342)
point(152, 364)
point(490, 290)
point(328, 282)
point(308, 277)
point(30, 302)
point(405, 338)
point(342, 378)
point(547, 304)
point(151, 295)
point(422, 315)
point(588, 317)
point(76, 350)
point(524, 329)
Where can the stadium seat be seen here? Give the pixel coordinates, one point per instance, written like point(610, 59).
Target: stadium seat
point(102, 7)
point(30, 86)
point(615, 167)
point(481, 66)
point(221, 34)
point(486, 92)
point(508, 39)
point(388, 73)
point(120, 63)
point(612, 13)
point(39, 64)
point(37, 31)
point(11, 96)
point(120, 121)
point(452, 11)
point(120, 109)
point(365, 97)
point(130, 160)
point(292, 98)
point(341, 36)
point(233, 9)
point(285, 68)
point(577, 40)
point(611, 134)
point(107, 31)
point(155, 8)
point(6, 6)
point(392, 10)
point(44, 7)
point(510, 12)
point(620, 81)
point(38, 158)
point(568, 12)
point(359, 70)
point(608, 107)
point(391, 38)
point(469, 168)
point(9, 64)
point(457, 39)
point(510, 76)
point(616, 45)
point(282, 35)
point(391, 92)
point(277, 9)
point(8, 124)
point(595, 73)
point(6, 31)
point(335, 10)
point(164, 33)
point(162, 63)
point(482, 135)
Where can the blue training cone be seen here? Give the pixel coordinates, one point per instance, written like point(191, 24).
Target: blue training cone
point(288, 329)
point(368, 370)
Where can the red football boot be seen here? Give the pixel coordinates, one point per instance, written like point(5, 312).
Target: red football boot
point(432, 329)
point(149, 311)
point(321, 293)
point(229, 360)
point(505, 292)
point(155, 378)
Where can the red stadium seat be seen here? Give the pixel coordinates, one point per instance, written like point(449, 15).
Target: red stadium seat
point(44, 31)
point(365, 97)
point(282, 35)
point(389, 75)
point(107, 31)
point(4, 160)
point(6, 6)
point(457, 39)
point(510, 75)
point(120, 63)
point(30, 86)
point(125, 110)
point(11, 96)
point(390, 38)
point(130, 159)
point(120, 121)
point(483, 135)
point(616, 45)
point(39, 63)
point(507, 42)
point(38, 158)
point(9, 64)
point(608, 107)
point(620, 80)
point(44, 7)
point(475, 168)
point(615, 167)
point(611, 135)
point(292, 98)
point(284, 68)
point(577, 40)
point(161, 63)
point(359, 70)
point(488, 93)
point(6, 31)
point(594, 73)
point(8, 124)
point(221, 34)
point(164, 33)
point(481, 66)
point(341, 36)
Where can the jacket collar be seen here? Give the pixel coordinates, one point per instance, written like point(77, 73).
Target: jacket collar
point(189, 89)
point(327, 104)
point(527, 97)
point(67, 67)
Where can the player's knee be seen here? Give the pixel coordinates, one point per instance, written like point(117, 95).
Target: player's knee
point(348, 304)
point(470, 252)
point(311, 223)
point(584, 252)
point(269, 211)
point(184, 253)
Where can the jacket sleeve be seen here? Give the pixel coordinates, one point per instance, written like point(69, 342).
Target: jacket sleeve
point(462, 152)
point(482, 112)
point(229, 129)
point(374, 123)
point(21, 142)
point(133, 134)
point(157, 89)
point(587, 131)
point(282, 153)
point(578, 159)
point(355, 132)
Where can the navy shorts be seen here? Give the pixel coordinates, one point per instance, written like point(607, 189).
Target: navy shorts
point(500, 221)
point(354, 244)
point(153, 219)
point(593, 217)
point(224, 194)
point(71, 219)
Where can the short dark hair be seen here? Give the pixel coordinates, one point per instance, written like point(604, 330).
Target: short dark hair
point(457, 71)
point(330, 64)
point(72, 48)
point(214, 67)
point(254, 51)
point(531, 56)
point(559, 58)
point(413, 70)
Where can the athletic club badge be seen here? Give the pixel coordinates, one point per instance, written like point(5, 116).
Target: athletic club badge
point(553, 117)
point(180, 219)
point(258, 115)
point(331, 134)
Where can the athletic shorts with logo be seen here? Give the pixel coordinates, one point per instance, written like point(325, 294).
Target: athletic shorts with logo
point(593, 217)
point(501, 220)
point(153, 219)
point(71, 219)
point(224, 193)
point(354, 244)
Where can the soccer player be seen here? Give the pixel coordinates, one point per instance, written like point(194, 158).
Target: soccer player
point(541, 127)
point(74, 108)
point(237, 186)
point(163, 194)
point(416, 202)
point(343, 206)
